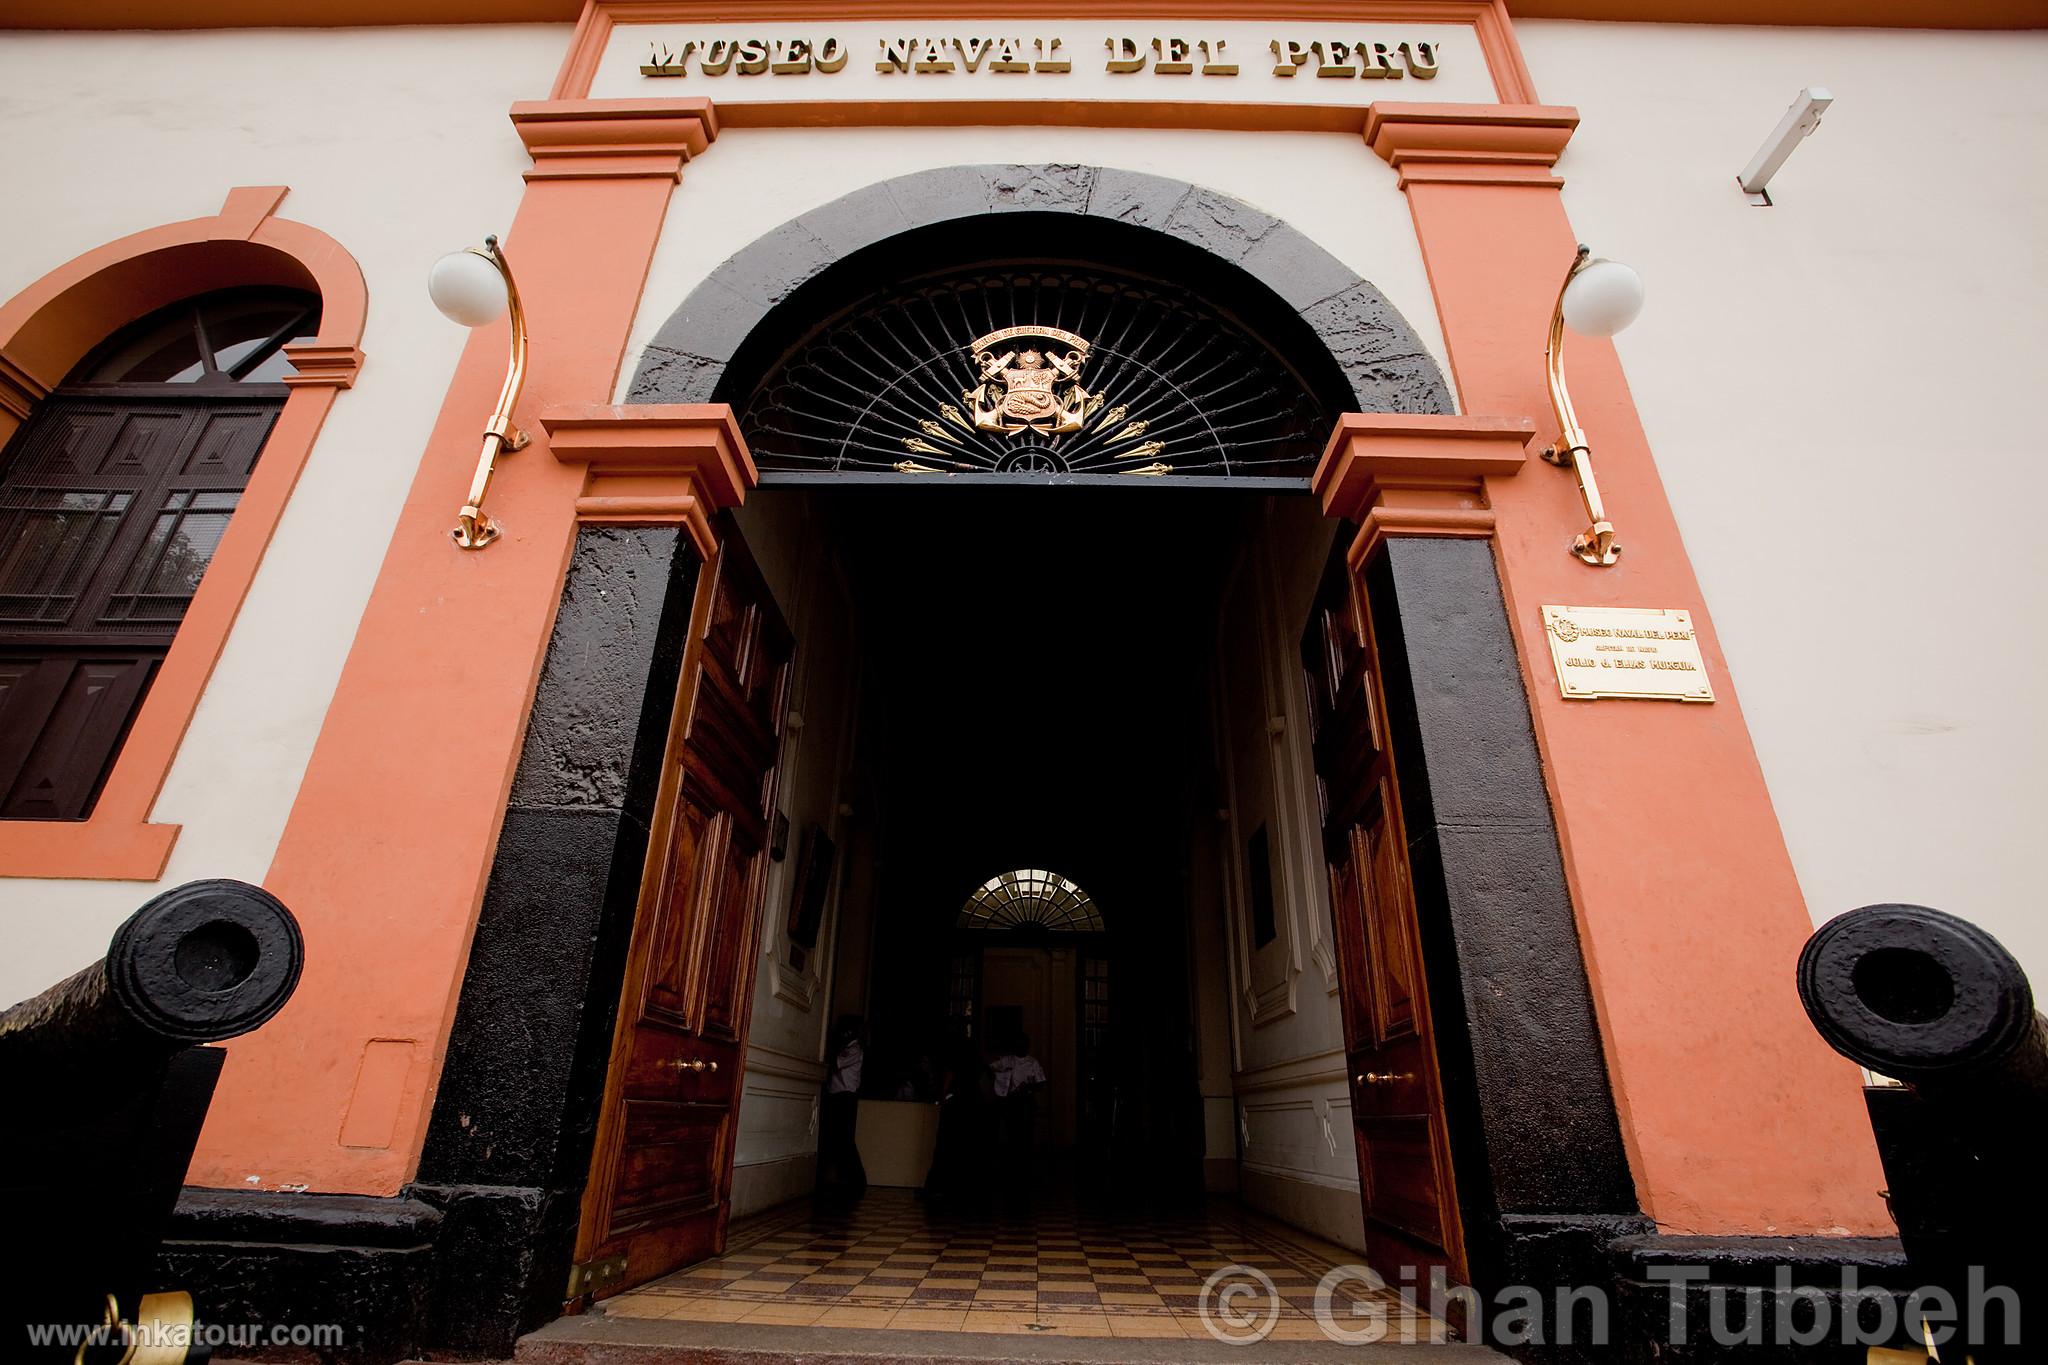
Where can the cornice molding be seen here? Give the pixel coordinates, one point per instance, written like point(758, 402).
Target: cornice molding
point(318, 366)
point(613, 139)
point(654, 464)
point(1400, 474)
point(1471, 144)
point(20, 391)
point(201, 14)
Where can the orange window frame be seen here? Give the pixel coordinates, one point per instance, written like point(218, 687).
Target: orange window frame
point(45, 331)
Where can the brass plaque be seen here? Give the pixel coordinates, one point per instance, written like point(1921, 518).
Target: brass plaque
point(1638, 652)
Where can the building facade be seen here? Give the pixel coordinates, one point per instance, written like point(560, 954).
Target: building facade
point(817, 606)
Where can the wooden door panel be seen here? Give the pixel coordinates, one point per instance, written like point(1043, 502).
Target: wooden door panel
point(1396, 1098)
point(730, 745)
point(670, 1162)
point(1400, 1156)
point(661, 1174)
point(62, 719)
point(1394, 964)
point(667, 997)
point(1354, 969)
point(726, 978)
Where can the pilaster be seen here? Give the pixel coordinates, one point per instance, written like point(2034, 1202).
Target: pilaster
point(425, 727)
point(1687, 906)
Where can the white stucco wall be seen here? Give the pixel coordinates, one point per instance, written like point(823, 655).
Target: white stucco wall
point(775, 1151)
point(1842, 392)
point(1328, 186)
point(395, 143)
point(1292, 1102)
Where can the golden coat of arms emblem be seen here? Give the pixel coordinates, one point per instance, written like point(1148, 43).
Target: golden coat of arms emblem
point(1026, 387)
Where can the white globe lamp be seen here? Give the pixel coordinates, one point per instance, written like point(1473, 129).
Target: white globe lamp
point(1599, 298)
point(1602, 298)
point(466, 286)
point(474, 287)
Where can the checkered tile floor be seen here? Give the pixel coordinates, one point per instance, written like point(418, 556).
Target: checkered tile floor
point(886, 1263)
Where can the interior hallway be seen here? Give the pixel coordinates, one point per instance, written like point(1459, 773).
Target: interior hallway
point(1060, 1271)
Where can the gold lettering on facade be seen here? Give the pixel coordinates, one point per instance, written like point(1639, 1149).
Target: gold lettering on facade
point(1125, 56)
point(1630, 652)
point(943, 55)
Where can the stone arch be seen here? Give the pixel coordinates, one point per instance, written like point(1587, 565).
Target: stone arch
point(1383, 362)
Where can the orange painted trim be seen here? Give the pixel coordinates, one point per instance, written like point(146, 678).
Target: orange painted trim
point(1489, 20)
point(1417, 475)
point(613, 139)
point(1371, 454)
point(1471, 143)
point(44, 332)
point(654, 464)
point(1969, 14)
point(392, 835)
point(1211, 116)
point(203, 14)
point(1736, 1118)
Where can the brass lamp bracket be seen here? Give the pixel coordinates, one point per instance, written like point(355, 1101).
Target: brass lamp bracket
point(1595, 545)
point(474, 530)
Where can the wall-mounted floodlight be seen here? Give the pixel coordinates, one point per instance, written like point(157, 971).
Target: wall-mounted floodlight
point(1802, 118)
point(1599, 298)
point(474, 287)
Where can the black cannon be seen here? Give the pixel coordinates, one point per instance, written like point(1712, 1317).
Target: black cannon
point(109, 1086)
point(1937, 1005)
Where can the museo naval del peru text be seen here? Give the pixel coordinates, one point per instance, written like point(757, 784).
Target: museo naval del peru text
point(1339, 58)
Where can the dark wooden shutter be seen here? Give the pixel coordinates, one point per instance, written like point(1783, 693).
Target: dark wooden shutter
point(110, 510)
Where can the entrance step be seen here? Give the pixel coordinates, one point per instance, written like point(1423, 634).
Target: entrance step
point(593, 1339)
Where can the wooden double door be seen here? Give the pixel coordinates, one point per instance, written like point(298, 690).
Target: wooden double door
point(661, 1173)
point(1397, 1111)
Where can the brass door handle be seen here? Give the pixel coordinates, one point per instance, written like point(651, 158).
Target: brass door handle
point(694, 1064)
point(1385, 1077)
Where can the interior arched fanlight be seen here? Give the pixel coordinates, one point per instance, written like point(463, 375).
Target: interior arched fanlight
point(1031, 898)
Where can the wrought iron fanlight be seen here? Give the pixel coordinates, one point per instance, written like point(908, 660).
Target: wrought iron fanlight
point(1030, 898)
point(1034, 370)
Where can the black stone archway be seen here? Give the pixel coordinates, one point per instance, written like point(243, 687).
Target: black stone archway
point(1380, 362)
point(1543, 1181)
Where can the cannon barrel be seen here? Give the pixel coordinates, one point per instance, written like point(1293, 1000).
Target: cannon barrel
point(1934, 1002)
point(1923, 997)
point(200, 963)
point(110, 1062)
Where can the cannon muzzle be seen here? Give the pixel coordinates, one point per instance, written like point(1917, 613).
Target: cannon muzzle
point(200, 963)
point(115, 1087)
point(1920, 996)
point(1939, 1006)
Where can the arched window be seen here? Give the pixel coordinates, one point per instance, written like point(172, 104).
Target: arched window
point(1030, 898)
point(113, 497)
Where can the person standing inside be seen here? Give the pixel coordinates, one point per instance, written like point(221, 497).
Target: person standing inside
point(840, 1172)
point(1018, 1079)
point(961, 1153)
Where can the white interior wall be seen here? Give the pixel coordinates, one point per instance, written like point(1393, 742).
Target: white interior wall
point(775, 1152)
point(1328, 186)
point(1296, 1154)
point(1842, 394)
point(395, 143)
